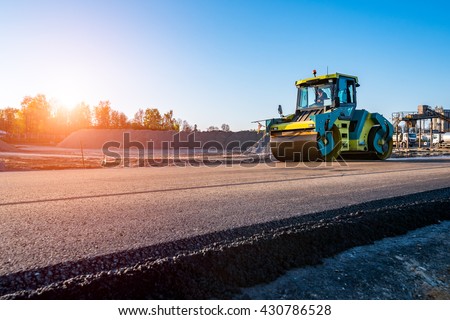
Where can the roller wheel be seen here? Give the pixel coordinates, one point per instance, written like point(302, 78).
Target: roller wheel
point(387, 146)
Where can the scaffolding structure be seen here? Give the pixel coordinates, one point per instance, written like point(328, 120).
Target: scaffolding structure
point(424, 112)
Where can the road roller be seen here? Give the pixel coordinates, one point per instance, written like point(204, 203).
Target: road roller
point(327, 126)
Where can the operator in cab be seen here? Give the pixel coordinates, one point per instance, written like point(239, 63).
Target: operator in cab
point(321, 96)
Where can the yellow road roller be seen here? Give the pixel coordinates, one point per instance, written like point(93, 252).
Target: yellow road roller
point(326, 124)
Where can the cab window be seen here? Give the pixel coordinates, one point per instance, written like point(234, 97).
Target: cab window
point(346, 92)
point(314, 96)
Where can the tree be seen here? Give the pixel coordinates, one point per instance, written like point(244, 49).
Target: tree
point(102, 114)
point(169, 122)
point(123, 121)
point(60, 121)
point(138, 120)
point(225, 127)
point(212, 128)
point(152, 119)
point(185, 126)
point(80, 117)
point(36, 114)
point(115, 119)
point(36, 117)
point(118, 120)
point(10, 120)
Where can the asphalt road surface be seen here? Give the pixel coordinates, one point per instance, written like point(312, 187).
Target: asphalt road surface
point(48, 217)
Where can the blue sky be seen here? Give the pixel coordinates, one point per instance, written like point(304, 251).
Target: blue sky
point(215, 62)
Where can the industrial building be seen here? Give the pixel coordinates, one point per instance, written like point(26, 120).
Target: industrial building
point(428, 123)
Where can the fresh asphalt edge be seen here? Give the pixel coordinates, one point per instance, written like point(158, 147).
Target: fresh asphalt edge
point(217, 265)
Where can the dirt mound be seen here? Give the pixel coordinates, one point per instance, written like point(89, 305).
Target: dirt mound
point(96, 138)
point(5, 147)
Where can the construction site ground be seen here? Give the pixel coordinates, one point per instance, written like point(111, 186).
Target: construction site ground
point(411, 266)
point(32, 157)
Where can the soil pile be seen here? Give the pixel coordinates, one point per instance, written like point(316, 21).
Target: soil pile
point(5, 147)
point(96, 138)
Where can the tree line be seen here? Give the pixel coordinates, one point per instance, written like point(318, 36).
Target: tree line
point(36, 117)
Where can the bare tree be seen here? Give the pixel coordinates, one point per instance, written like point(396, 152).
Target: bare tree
point(138, 120)
point(169, 122)
point(212, 128)
point(225, 127)
point(185, 126)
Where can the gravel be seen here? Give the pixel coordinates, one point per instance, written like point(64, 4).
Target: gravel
point(413, 266)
